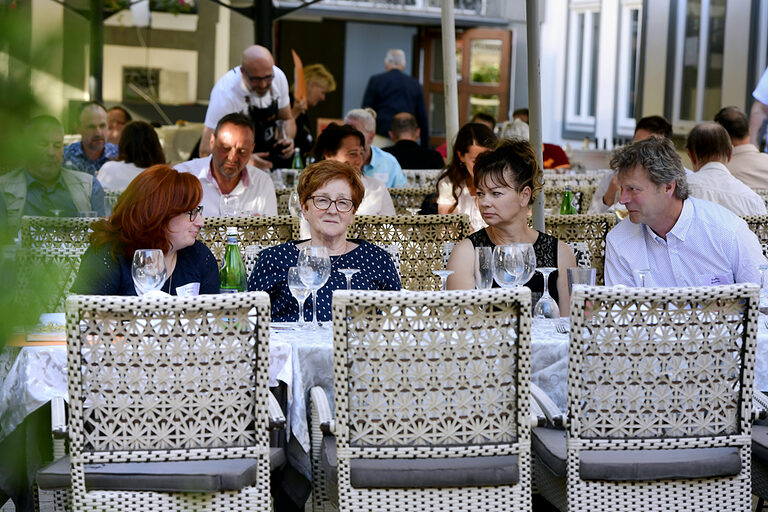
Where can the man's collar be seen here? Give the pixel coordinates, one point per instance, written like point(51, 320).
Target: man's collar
point(714, 167)
point(745, 148)
point(680, 229)
point(31, 179)
point(207, 174)
point(374, 158)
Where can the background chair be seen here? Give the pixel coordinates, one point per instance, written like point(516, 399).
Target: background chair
point(590, 229)
point(283, 196)
point(264, 231)
point(420, 240)
point(422, 177)
point(47, 276)
point(553, 196)
point(168, 404)
point(56, 232)
point(409, 197)
point(659, 401)
point(432, 402)
point(758, 224)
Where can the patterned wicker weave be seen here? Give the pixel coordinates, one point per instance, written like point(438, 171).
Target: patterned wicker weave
point(422, 177)
point(113, 195)
point(591, 229)
point(432, 375)
point(264, 231)
point(420, 238)
point(283, 195)
point(758, 224)
point(659, 368)
point(47, 278)
point(553, 196)
point(409, 197)
point(67, 232)
point(168, 379)
point(763, 193)
point(561, 180)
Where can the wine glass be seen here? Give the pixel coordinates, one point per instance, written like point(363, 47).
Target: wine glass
point(508, 266)
point(299, 291)
point(546, 307)
point(443, 274)
point(641, 277)
point(148, 270)
point(413, 210)
point(314, 269)
point(348, 273)
point(229, 206)
point(294, 206)
point(483, 267)
point(529, 262)
point(763, 305)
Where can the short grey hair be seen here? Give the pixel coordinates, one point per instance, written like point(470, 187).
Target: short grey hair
point(658, 156)
point(395, 58)
point(365, 116)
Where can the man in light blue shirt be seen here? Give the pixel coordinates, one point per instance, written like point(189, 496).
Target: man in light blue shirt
point(377, 164)
point(683, 241)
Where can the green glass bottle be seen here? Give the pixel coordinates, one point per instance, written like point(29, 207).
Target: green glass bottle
point(232, 276)
point(297, 162)
point(568, 206)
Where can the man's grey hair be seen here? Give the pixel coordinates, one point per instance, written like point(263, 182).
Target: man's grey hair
point(395, 58)
point(659, 157)
point(365, 116)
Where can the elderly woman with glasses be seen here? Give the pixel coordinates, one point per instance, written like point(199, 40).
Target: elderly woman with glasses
point(160, 209)
point(330, 193)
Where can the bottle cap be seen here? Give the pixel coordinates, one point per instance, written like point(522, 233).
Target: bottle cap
point(231, 230)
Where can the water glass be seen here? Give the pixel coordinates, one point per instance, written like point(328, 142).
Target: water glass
point(546, 307)
point(483, 267)
point(229, 206)
point(294, 206)
point(148, 270)
point(578, 275)
point(314, 270)
point(299, 291)
point(528, 256)
point(508, 265)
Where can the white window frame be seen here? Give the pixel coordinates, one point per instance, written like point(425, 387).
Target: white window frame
point(573, 121)
point(625, 124)
point(685, 125)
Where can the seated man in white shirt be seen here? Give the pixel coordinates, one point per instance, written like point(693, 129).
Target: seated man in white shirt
point(747, 163)
point(226, 172)
point(709, 148)
point(683, 241)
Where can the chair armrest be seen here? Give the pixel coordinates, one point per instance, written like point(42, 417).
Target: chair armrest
point(538, 418)
point(276, 416)
point(547, 405)
point(58, 418)
point(323, 408)
point(759, 406)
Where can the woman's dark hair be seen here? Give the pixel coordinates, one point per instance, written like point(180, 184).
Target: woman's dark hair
point(144, 210)
point(139, 145)
point(329, 140)
point(471, 134)
point(511, 164)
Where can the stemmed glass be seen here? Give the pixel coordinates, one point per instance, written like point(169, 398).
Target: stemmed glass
point(443, 274)
point(641, 277)
point(293, 204)
point(229, 206)
point(546, 307)
point(314, 269)
point(529, 262)
point(348, 273)
point(508, 265)
point(299, 291)
point(763, 304)
point(413, 210)
point(483, 267)
point(148, 270)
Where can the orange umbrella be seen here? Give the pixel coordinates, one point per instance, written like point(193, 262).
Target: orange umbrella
point(299, 84)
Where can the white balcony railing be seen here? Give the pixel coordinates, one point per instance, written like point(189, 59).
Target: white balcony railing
point(477, 7)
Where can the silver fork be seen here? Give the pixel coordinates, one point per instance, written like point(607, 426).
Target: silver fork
point(561, 327)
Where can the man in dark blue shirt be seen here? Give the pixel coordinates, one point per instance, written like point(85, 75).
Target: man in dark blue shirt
point(93, 150)
point(392, 92)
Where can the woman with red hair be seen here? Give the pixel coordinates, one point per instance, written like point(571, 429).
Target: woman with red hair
point(160, 209)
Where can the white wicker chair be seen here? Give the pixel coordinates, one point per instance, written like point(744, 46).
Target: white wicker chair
point(659, 401)
point(169, 403)
point(432, 401)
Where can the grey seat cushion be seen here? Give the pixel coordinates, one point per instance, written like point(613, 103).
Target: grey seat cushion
point(760, 443)
point(180, 476)
point(424, 473)
point(635, 465)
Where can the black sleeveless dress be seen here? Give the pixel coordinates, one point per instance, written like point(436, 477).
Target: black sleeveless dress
point(545, 248)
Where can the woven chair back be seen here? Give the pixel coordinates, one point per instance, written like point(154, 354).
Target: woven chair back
point(54, 232)
point(45, 277)
point(409, 197)
point(264, 231)
point(553, 196)
point(420, 240)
